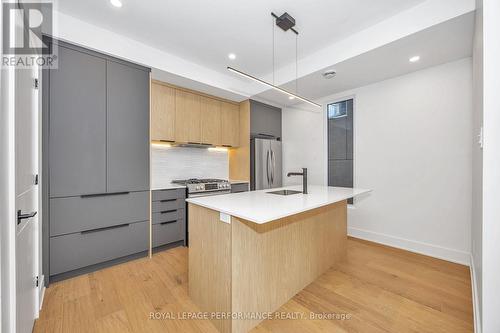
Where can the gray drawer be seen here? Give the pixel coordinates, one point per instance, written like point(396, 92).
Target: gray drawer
point(241, 187)
point(178, 193)
point(69, 252)
point(168, 233)
point(169, 215)
point(75, 214)
point(168, 204)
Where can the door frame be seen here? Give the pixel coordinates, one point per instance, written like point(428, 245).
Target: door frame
point(8, 197)
point(8, 230)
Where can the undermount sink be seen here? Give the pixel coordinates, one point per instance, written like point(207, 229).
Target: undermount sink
point(285, 192)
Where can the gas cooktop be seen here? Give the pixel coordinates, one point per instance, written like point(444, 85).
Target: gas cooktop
point(195, 185)
point(199, 181)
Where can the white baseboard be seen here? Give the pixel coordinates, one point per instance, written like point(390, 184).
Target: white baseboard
point(456, 256)
point(475, 297)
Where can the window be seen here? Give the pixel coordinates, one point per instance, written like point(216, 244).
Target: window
point(340, 144)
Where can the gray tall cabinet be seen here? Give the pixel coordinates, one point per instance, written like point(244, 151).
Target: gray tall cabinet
point(95, 161)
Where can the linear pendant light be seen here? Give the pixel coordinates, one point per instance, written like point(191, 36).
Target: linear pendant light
point(285, 22)
point(248, 76)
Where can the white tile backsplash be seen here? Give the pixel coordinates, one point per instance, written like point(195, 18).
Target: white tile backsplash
point(169, 163)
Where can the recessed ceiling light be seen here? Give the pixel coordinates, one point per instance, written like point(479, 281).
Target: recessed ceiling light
point(291, 97)
point(329, 74)
point(231, 56)
point(116, 3)
point(414, 59)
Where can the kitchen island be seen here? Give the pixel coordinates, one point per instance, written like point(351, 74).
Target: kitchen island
point(251, 252)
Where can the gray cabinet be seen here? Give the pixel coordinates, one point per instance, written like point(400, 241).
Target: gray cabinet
point(127, 128)
point(74, 251)
point(77, 124)
point(265, 120)
point(239, 187)
point(75, 214)
point(169, 216)
point(96, 150)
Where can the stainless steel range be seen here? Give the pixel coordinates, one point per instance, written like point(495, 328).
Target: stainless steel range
point(200, 188)
point(203, 187)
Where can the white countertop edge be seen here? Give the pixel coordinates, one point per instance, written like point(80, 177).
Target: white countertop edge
point(167, 187)
point(273, 217)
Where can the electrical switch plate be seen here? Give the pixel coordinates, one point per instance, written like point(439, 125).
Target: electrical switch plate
point(226, 218)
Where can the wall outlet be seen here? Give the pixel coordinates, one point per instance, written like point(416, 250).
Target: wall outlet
point(226, 218)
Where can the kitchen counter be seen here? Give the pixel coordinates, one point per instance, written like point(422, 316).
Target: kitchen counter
point(262, 207)
point(241, 264)
point(167, 187)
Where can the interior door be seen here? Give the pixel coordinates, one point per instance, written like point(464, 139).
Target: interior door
point(262, 164)
point(26, 165)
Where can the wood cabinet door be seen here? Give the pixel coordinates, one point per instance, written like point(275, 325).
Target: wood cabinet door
point(230, 123)
point(210, 121)
point(127, 128)
point(187, 117)
point(162, 112)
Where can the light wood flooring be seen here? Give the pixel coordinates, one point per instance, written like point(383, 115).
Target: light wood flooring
point(378, 289)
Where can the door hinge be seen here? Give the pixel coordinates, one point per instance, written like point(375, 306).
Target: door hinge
point(36, 179)
point(36, 281)
point(35, 83)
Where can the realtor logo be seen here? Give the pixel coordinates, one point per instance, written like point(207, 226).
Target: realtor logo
point(24, 24)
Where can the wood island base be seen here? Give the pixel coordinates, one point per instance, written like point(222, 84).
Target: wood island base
point(241, 271)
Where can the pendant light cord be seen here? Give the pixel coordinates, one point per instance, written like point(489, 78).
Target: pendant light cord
point(296, 63)
point(272, 20)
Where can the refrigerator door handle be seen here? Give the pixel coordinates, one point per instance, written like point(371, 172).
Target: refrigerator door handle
point(267, 167)
point(273, 166)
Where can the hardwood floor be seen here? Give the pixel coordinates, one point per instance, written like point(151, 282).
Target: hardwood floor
point(378, 289)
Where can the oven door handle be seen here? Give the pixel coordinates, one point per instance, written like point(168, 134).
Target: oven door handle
point(205, 194)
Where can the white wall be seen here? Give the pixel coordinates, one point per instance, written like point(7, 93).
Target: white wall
point(413, 148)
point(491, 167)
point(169, 163)
point(477, 164)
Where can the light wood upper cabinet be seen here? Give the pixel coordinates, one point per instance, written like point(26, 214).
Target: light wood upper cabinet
point(230, 124)
point(210, 120)
point(162, 112)
point(187, 117)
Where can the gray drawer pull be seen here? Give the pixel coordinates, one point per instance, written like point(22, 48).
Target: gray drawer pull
point(168, 222)
point(105, 228)
point(102, 194)
point(168, 200)
point(168, 211)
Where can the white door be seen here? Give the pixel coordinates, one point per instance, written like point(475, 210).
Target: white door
point(26, 166)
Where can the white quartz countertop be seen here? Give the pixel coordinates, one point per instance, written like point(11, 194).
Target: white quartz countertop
point(167, 187)
point(262, 207)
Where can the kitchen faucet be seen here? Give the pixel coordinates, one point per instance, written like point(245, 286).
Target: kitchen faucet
point(304, 178)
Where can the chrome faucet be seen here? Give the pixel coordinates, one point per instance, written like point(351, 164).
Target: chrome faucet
point(304, 178)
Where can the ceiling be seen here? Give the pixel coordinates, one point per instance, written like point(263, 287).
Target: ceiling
point(204, 32)
point(445, 42)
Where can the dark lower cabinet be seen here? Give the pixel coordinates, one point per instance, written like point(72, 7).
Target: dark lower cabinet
point(168, 216)
point(96, 150)
point(78, 250)
point(239, 187)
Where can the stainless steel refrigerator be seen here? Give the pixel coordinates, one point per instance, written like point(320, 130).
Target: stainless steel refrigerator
point(265, 164)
